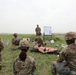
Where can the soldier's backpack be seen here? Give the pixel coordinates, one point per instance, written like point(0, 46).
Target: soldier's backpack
point(62, 68)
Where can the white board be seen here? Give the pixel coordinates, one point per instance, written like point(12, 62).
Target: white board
point(47, 30)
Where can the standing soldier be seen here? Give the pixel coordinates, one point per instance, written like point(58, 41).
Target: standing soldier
point(24, 64)
point(68, 54)
point(1, 48)
point(38, 31)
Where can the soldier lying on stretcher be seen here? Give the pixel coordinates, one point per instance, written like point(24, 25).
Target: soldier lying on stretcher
point(45, 49)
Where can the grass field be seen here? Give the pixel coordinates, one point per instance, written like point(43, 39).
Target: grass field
point(43, 61)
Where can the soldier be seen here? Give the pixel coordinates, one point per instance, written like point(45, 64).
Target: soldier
point(24, 64)
point(1, 48)
point(15, 41)
point(38, 31)
point(68, 54)
point(39, 41)
point(45, 49)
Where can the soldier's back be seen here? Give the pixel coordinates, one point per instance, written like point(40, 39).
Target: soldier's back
point(71, 58)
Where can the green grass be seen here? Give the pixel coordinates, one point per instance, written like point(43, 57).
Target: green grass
point(43, 61)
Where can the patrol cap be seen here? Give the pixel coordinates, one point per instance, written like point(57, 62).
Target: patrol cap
point(23, 44)
point(70, 36)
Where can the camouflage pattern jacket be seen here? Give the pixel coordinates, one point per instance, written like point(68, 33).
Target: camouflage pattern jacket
point(15, 41)
point(69, 54)
point(38, 31)
point(26, 67)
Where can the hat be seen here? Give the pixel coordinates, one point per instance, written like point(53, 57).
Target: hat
point(23, 44)
point(70, 36)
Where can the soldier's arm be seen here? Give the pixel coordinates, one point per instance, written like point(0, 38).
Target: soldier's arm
point(16, 67)
point(12, 41)
point(62, 55)
point(40, 29)
point(35, 29)
point(14, 71)
point(33, 69)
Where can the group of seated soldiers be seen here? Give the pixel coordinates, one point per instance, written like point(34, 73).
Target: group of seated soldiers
point(25, 64)
point(39, 44)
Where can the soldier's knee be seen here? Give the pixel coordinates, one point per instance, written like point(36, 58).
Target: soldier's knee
point(53, 67)
point(53, 63)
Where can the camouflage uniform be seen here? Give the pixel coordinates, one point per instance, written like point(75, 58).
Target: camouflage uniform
point(1, 47)
point(68, 54)
point(15, 42)
point(39, 41)
point(38, 30)
point(26, 67)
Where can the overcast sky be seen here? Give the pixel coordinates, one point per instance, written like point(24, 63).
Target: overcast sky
point(22, 16)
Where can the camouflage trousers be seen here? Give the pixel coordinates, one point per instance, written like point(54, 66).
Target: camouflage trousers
point(54, 72)
point(0, 61)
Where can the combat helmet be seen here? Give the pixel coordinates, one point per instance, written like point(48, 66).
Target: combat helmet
point(38, 39)
point(70, 36)
point(23, 44)
point(15, 34)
